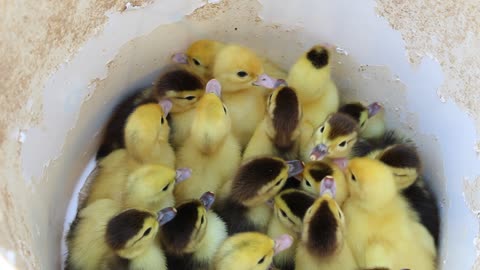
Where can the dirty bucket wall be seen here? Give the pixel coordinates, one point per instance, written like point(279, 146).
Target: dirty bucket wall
point(67, 65)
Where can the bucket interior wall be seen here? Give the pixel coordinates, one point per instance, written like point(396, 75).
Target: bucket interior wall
point(384, 55)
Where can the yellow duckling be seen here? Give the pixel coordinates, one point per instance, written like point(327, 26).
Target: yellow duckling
point(211, 150)
point(104, 237)
point(279, 132)
point(323, 244)
point(315, 172)
point(249, 251)
point(370, 118)
point(289, 209)
point(381, 228)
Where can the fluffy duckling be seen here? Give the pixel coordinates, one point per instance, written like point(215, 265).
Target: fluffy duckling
point(194, 235)
point(256, 182)
point(240, 71)
point(278, 134)
point(147, 132)
point(381, 229)
point(211, 150)
point(315, 172)
point(334, 139)
point(102, 237)
point(250, 251)
point(148, 187)
point(289, 207)
point(310, 76)
point(370, 118)
point(184, 89)
point(323, 244)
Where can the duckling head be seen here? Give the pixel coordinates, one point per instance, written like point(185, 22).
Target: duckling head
point(132, 232)
point(284, 116)
point(250, 250)
point(200, 57)
point(361, 113)
point(335, 138)
point(181, 87)
point(404, 161)
point(371, 183)
point(146, 127)
point(259, 179)
point(211, 123)
point(152, 185)
point(184, 233)
point(324, 224)
point(238, 68)
point(290, 207)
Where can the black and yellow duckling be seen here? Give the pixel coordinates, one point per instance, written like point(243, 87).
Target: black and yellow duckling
point(370, 118)
point(191, 239)
point(317, 171)
point(104, 237)
point(279, 132)
point(250, 251)
point(289, 208)
point(255, 183)
point(323, 244)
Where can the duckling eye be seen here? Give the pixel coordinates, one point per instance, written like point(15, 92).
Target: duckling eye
point(190, 97)
point(283, 213)
point(166, 187)
point(195, 61)
point(242, 73)
point(261, 260)
point(278, 183)
point(162, 121)
point(225, 109)
point(339, 214)
point(308, 183)
point(147, 232)
point(363, 124)
point(342, 144)
point(202, 220)
point(353, 177)
point(322, 129)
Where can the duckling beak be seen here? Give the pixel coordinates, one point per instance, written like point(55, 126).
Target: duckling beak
point(166, 215)
point(182, 174)
point(166, 105)
point(180, 58)
point(319, 152)
point(295, 167)
point(342, 163)
point(213, 86)
point(282, 242)
point(269, 82)
point(374, 108)
point(207, 199)
point(269, 202)
point(327, 186)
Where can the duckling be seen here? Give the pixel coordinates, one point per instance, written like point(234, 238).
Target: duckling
point(278, 133)
point(240, 71)
point(194, 235)
point(250, 251)
point(289, 209)
point(256, 182)
point(323, 244)
point(146, 134)
point(317, 93)
point(200, 57)
point(147, 187)
point(211, 150)
point(104, 237)
point(184, 89)
point(370, 118)
point(315, 172)
point(381, 229)
point(334, 139)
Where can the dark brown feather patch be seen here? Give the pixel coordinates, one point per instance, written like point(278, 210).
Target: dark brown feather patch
point(318, 56)
point(177, 80)
point(285, 118)
point(298, 202)
point(124, 226)
point(322, 233)
point(319, 170)
point(254, 175)
point(340, 125)
point(353, 109)
point(177, 233)
point(401, 156)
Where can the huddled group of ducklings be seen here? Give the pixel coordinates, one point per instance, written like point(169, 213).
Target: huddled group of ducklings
point(230, 163)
